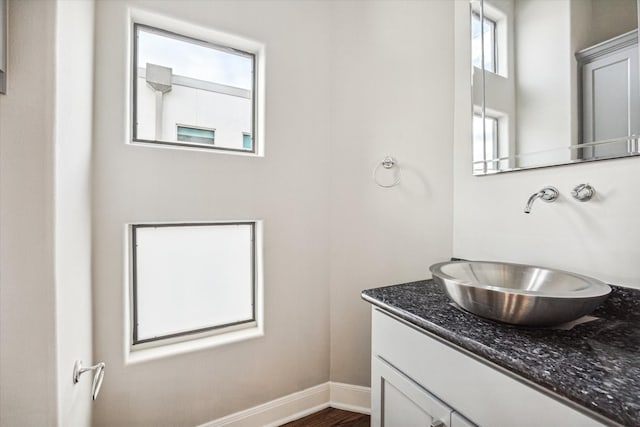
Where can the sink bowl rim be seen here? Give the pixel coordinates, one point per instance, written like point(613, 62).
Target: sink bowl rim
point(595, 288)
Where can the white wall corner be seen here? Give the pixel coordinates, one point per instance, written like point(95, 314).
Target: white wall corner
point(349, 397)
point(299, 404)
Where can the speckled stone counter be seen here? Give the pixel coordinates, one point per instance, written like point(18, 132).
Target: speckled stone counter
point(595, 364)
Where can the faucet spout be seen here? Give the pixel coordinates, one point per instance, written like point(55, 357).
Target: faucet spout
point(547, 194)
point(534, 196)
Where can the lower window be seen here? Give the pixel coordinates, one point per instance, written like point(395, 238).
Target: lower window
point(485, 143)
point(192, 279)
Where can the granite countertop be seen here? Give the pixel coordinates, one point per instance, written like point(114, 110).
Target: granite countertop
point(594, 364)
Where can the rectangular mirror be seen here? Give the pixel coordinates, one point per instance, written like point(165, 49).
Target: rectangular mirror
point(554, 82)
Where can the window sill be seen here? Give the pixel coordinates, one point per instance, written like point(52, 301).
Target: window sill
point(201, 149)
point(139, 355)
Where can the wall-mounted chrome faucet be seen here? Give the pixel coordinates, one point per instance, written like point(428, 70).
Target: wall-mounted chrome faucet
point(547, 194)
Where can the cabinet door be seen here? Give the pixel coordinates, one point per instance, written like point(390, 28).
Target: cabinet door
point(611, 105)
point(397, 401)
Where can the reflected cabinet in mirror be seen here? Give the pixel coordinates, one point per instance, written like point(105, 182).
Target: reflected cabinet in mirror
point(554, 82)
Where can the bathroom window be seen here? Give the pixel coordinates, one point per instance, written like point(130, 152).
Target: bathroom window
point(192, 279)
point(483, 41)
point(179, 79)
point(485, 143)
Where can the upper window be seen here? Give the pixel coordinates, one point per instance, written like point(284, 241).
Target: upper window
point(192, 86)
point(483, 43)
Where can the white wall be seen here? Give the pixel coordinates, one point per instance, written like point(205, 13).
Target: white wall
point(327, 226)
point(610, 19)
point(288, 189)
point(392, 87)
point(45, 289)
point(73, 136)
point(27, 293)
point(598, 238)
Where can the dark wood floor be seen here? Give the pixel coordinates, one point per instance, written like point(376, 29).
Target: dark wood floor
point(332, 417)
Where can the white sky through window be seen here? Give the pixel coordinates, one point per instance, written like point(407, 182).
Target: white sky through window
point(193, 60)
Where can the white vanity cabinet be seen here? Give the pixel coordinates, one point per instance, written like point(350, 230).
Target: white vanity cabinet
point(419, 380)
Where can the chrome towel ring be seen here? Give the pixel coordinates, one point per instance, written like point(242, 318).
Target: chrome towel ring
point(78, 370)
point(387, 163)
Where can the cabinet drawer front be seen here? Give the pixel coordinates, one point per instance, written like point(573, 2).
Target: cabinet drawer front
point(398, 401)
point(477, 391)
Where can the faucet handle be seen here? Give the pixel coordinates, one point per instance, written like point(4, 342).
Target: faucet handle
point(583, 192)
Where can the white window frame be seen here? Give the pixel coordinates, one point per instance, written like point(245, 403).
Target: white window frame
point(192, 341)
point(208, 36)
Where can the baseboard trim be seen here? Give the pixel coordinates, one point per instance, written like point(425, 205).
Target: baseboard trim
point(349, 397)
point(299, 404)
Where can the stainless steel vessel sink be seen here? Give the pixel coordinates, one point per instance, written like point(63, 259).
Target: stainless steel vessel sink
point(519, 294)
